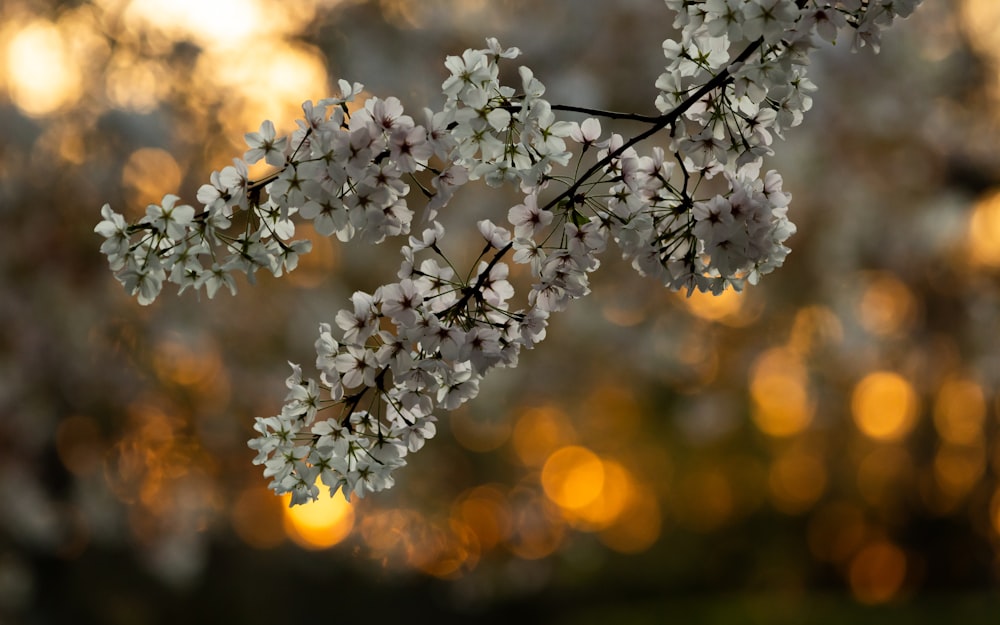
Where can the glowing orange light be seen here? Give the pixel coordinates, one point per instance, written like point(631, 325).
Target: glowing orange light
point(639, 524)
point(984, 231)
point(981, 19)
point(573, 477)
point(884, 405)
point(877, 572)
point(41, 72)
point(604, 510)
point(320, 524)
point(722, 307)
point(779, 388)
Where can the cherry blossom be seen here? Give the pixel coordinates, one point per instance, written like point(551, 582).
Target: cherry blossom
point(735, 78)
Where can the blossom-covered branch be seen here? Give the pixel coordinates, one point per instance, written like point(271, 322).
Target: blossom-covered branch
point(398, 354)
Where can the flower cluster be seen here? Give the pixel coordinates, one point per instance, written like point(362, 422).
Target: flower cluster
point(696, 212)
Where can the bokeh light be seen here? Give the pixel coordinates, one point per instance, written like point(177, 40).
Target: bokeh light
point(884, 405)
point(766, 442)
point(779, 387)
point(42, 74)
point(320, 524)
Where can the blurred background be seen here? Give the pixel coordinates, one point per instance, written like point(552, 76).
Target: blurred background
point(824, 447)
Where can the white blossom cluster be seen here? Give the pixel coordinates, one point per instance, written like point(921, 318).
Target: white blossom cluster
point(695, 212)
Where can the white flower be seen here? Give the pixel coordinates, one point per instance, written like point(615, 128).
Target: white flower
point(115, 232)
point(263, 145)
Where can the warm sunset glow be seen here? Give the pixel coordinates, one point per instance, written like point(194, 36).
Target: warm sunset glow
point(148, 175)
point(887, 305)
point(606, 509)
point(271, 79)
point(981, 18)
point(877, 572)
point(221, 23)
point(722, 307)
point(573, 477)
point(779, 387)
point(984, 231)
point(42, 75)
point(884, 405)
point(320, 524)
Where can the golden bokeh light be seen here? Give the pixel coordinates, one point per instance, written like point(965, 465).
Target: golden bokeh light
point(960, 411)
point(148, 175)
point(981, 19)
point(984, 231)
point(540, 431)
point(779, 388)
point(877, 572)
point(606, 509)
point(796, 481)
point(42, 74)
point(726, 307)
point(320, 524)
point(290, 72)
point(135, 84)
point(573, 477)
point(884, 405)
point(218, 23)
point(887, 306)
point(639, 524)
